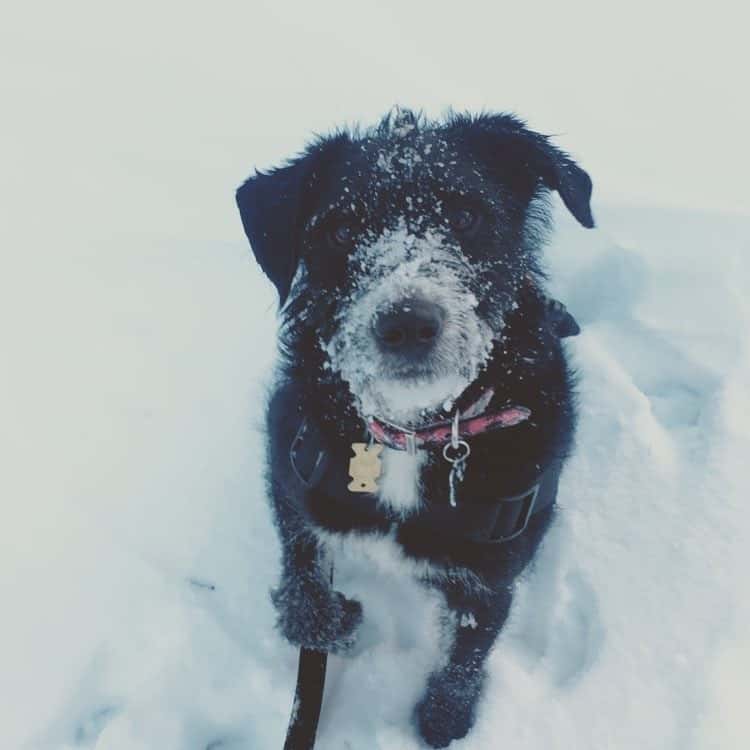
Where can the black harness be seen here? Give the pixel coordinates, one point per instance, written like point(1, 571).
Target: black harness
point(484, 521)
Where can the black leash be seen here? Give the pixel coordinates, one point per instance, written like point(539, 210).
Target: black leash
point(308, 700)
point(308, 697)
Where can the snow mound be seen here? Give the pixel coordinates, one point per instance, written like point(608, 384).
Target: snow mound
point(136, 575)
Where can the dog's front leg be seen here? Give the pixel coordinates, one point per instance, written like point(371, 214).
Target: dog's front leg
point(448, 707)
point(310, 612)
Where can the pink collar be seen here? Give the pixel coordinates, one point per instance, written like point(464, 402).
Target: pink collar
point(474, 422)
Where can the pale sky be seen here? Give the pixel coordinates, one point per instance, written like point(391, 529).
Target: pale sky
point(121, 103)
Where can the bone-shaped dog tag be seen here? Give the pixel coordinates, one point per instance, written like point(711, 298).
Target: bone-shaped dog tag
point(364, 467)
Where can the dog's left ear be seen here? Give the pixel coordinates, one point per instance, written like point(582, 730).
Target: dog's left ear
point(273, 209)
point(512, 146)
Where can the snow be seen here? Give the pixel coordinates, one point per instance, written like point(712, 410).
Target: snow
point(136, 549)
point(136, 575)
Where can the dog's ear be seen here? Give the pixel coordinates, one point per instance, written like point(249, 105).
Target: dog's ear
point(273, 208)
point(522, 154)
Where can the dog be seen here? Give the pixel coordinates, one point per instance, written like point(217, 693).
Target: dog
point(423, 401)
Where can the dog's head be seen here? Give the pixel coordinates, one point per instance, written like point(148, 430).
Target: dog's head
point(402, 249)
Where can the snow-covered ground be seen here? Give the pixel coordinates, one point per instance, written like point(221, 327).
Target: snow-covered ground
point(136, 549)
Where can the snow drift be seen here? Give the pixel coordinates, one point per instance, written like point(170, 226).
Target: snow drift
point(137, 613)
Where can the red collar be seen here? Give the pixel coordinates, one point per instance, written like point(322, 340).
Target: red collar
point(439, 433)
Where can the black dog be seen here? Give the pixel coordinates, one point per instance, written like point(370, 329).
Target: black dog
point(406, 259)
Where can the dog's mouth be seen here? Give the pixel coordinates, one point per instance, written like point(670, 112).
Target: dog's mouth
point(413, 400)
point(408, 389)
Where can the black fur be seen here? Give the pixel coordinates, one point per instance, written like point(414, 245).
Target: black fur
point(490, 161)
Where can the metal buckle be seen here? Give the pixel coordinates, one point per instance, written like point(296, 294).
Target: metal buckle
point(410, 436)
point(529, 498)
point(320, 461)
point(411, 443)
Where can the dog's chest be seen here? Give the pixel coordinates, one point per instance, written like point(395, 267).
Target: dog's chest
point(400, 484)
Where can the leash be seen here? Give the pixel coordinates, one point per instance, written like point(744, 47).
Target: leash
point(308, 700)
point(308, 697)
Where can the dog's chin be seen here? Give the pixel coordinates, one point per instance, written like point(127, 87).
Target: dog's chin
point(411, 400)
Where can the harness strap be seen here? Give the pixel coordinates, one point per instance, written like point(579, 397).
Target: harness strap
point(485, 521)
point(502, 520)
point(307, 456)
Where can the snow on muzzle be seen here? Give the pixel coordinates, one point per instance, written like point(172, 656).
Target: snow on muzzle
point(408, 336)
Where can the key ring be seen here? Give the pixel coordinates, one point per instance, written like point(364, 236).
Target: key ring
point(463, 448)
point(455, 453)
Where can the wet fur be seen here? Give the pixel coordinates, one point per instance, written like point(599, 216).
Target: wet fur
point(374, 177)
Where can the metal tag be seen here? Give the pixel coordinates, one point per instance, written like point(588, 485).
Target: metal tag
point(365, 467)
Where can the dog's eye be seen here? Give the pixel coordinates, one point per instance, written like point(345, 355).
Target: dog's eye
point(463, 220)
point(341, 235)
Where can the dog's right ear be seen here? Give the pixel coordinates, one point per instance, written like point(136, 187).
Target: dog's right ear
point(273, 206)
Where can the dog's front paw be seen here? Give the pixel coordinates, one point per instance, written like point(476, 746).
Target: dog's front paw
point(312, 615)
point(448, 707)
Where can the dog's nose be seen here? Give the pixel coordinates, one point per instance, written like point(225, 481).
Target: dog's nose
point(412, 325)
